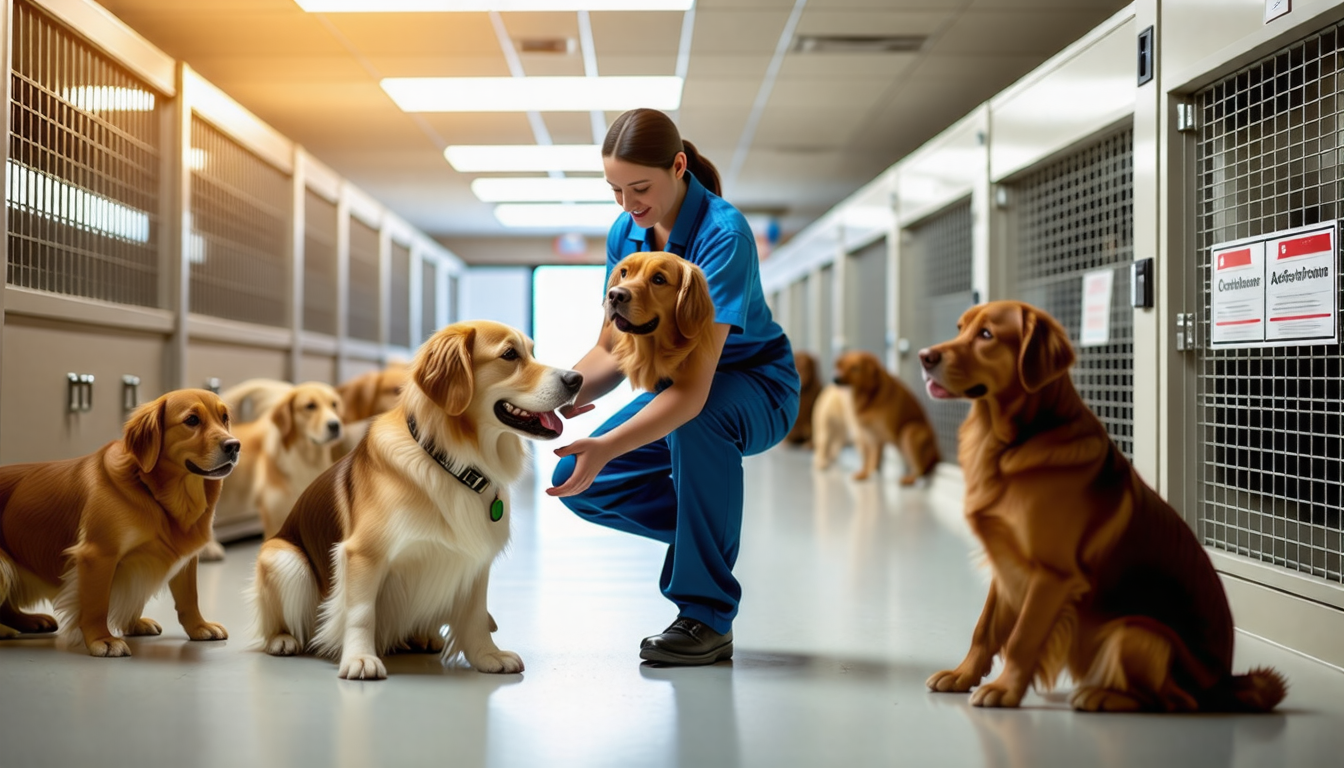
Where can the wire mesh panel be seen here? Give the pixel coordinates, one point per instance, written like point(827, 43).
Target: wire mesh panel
point(362, 317)
point(399, 302)
point(866, 299)
point(320, 289)
point(239, 230)
point(1269, 420)
point(429, 299)
point(1074, 216)
point(83, 173)
point(935, 290)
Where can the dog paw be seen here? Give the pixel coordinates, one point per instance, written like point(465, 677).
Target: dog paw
point(995, 694)
point(142, 626)
point(282, 645)
point(8, 632)
point(908, 480)
point(207, 630)
point(951, 681)
point(362, 667)
point(497, 662)
point(40, 623)
point(109, 647)
point(1091, 698)
point(212, 552)
point(862, 475)
point(431, 643)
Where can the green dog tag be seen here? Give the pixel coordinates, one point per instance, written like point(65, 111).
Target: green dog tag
point(496, 509)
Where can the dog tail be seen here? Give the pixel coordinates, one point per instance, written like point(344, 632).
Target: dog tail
point(1260, 690)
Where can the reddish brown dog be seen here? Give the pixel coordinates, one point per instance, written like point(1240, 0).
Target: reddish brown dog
point(99, 535)
point(1092, 570)
point(801, 434)
point(886, 412)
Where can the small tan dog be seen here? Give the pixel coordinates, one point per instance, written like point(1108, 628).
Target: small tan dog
point(802, 431)
point(660, 305)
point(99, 535)
point(283, 452)
point(1092, 571)
point(397, 538)
point(886, 412)
point(833, 425)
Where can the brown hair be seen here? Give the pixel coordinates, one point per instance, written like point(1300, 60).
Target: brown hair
point(648, 137)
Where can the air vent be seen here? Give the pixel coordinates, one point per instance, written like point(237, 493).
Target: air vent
point(547, 45)
point(858, 43)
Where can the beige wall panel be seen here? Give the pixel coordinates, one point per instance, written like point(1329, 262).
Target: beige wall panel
point(317, 368)
point(1066, 103)
point(232, 364)
point(1207, 37)
point(34, 422)
point(944, 170)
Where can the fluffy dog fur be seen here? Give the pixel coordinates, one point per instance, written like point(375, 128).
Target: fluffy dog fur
point(99, 535)
point(660, 304)
point(886, 412)
point(283, 452)
point(1092, 571)
point(386, 546)
point(802, 431)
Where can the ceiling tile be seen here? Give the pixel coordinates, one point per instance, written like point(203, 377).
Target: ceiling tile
point(820, 65)
point(719, 92)
point(641, 32)
point(704, 64)
point(636, 64)
point(1032, 32)
point(395, 65)
point(737, 32)
point(824, 93)
point(460, 34)
point(816, 21)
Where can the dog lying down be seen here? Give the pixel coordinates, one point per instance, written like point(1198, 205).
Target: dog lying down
point(660, 303)
point(101, 534)
point(397, 538)
point(1092, 571)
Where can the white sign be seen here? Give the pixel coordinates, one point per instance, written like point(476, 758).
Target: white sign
point(1237, 292)
point(1276, 8)
point(1276, 290)
point(1097, 307)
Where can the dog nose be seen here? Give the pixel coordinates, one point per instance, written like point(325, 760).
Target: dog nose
point(231, 447)
point(929, 358)
point(334, 427)
point(618, 295)
point(839, 381)
point(572, 380)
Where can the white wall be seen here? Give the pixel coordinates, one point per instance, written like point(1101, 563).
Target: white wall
point(502, 294)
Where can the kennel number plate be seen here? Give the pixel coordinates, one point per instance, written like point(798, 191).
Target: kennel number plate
point(1276, 290)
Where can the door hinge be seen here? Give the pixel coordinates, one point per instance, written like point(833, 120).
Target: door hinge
point(1186, 338)
point(1185, 117)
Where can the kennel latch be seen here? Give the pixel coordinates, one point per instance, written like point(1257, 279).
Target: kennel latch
point(1186, 338)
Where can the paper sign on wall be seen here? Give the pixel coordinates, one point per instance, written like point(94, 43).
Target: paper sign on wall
point(1276, 290)
point(1097, 307)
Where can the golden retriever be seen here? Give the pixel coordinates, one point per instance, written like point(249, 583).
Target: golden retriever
point(365, 397)
point(660, 303)
point(397, 538)
point(885, 411)
point(833, 425)
point(1092, 571)
point(283, 452)
point(99, 535)
point(802, 431)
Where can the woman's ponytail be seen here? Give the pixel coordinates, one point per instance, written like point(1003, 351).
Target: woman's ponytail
point(703, 170)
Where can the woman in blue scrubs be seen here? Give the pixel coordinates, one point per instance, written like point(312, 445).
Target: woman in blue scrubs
point(669, 465)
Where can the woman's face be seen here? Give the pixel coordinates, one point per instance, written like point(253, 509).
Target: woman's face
point(649, 194)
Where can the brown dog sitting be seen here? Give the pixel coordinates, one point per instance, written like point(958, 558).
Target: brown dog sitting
point(99, 535)
point(1092, 570)
point(660, 304)
point(801, 434)
point(886, 412)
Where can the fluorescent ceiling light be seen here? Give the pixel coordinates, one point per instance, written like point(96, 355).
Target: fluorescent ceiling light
point(107, 98)
point(31, 191)
point(533, 94)
point(524, 158)
point(564, 216)
point(542, 190)
point(442, 6)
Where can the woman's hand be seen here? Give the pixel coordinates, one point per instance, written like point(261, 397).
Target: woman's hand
point(591, 454)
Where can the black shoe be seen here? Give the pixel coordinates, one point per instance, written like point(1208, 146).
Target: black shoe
point(687, 643)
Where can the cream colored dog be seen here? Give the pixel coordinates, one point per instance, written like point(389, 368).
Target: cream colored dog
point(284, 450)
point(397, 538)
point(833, 424)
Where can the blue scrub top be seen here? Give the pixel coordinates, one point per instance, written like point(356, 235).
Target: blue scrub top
point(713, 235)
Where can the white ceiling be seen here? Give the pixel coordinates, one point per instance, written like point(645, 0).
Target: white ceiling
point(832, 122)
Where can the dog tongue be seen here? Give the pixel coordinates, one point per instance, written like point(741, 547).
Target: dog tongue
point(552, 422)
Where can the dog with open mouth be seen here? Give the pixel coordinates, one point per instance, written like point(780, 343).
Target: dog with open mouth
point(396, 539)
point(99, 535)
point(661, 305)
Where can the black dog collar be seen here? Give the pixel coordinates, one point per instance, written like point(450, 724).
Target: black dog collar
point(469, 475)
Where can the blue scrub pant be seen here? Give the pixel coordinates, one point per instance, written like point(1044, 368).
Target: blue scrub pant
point(685, 490)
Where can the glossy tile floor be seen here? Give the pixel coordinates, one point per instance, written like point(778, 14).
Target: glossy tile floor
point(854, 593)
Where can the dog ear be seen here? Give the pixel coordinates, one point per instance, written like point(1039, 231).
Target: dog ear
point(143, 435)
point(282, 415)
point(695, 311)
point(1045, 354)
point(445, 373)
